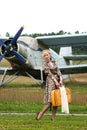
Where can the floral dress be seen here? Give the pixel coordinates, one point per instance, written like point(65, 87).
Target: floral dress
point(50, 71)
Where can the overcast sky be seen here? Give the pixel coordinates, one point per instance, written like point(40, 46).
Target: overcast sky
point(43, 16)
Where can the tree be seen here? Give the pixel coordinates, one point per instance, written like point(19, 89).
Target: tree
point(7, 34)
point(77, 32)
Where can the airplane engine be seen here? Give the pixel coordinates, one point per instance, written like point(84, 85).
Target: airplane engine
point(0, 50)
point(8, 48)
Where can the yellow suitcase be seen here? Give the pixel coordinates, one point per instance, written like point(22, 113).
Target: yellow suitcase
point(56, 97)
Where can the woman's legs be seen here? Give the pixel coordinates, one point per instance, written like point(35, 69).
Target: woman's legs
point(40, 114)
point(54, 109)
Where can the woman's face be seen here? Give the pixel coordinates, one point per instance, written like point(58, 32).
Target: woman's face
point(46, 56)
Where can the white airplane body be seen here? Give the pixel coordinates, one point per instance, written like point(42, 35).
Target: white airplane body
point(24, 55)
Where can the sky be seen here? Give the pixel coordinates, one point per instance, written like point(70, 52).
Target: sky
point(43, 16)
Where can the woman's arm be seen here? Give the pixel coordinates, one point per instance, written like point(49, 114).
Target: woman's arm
point(60, 76)
point(46, 70)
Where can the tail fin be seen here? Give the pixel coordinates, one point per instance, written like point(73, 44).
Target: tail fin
point(60, 61)
point(66, 51)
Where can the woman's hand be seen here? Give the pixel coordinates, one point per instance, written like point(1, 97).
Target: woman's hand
point(55, 81)
point(61, 82)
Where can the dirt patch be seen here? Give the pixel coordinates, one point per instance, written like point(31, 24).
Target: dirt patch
point(21, 94)
point(79, 77)
point(34, 95)
point(79, 98)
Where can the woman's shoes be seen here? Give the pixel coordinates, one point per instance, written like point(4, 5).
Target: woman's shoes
point(37, 116)
point(52, 119)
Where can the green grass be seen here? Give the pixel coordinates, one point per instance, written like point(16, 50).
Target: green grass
point(35, 107)
point(30, 99)
point(26, 99)
point(28, 122)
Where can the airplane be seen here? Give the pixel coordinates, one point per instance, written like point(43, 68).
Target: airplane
point(24, 55)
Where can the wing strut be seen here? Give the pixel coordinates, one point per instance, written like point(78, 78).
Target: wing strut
point(5, 80)
point(11, 78)
point(3, 77)
point(41, 75)
point(32, 78)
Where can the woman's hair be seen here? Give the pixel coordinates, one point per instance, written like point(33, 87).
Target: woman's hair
point(45, 51)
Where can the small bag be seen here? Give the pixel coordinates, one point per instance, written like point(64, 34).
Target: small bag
point(56, 97)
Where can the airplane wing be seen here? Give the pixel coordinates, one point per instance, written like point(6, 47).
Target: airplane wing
point(63, 40)
point(73, 69)
point(76, 57)
point(67, 40)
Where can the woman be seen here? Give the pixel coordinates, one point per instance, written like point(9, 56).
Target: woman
point(53, 80)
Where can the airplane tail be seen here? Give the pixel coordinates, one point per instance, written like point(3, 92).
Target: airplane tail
point(59, 58)
point(66, 51)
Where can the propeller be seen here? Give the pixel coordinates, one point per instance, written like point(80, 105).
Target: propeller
point(17, 35)
point(8, 47)
point(20, 57)
point(1, 43)
point(3, 55)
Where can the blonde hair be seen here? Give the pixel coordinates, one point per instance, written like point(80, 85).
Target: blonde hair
point(46, 51)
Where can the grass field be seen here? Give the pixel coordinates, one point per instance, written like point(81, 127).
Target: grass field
point(24, 96)
point(28, 122)
point(29, 100)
